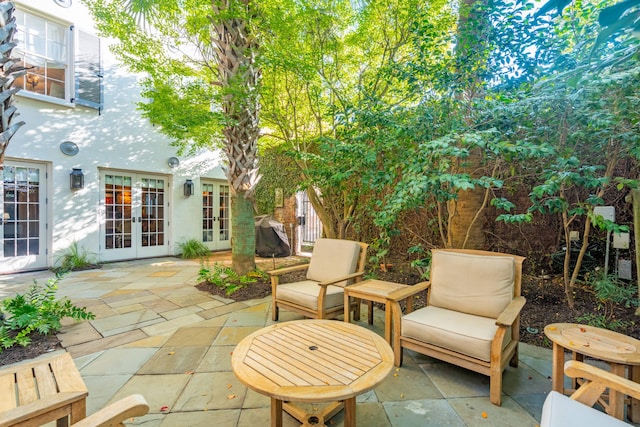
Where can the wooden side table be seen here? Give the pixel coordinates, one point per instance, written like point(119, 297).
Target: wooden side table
point(42, 391)
point(618, 350)
point(312, 361)
point(375, 291)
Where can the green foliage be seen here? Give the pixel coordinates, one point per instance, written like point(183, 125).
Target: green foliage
point(225, 278)
point(193, 248)
point(609, 290)
point(75, 257)
point(278, 171)
point(423, 262)
point(600, 320)
point(38, 310)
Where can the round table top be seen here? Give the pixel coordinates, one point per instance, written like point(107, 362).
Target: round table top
point(595, 342)
point(312, 360)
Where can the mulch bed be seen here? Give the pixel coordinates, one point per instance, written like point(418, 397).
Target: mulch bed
point(40, 344)
point(546, 303)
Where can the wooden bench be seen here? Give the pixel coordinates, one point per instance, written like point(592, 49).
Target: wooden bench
point(48, 389)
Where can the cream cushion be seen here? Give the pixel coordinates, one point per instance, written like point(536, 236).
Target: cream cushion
point(473, 284)
point(306, 293)
point(331, 259)
point(461, 332)
point(560, 411)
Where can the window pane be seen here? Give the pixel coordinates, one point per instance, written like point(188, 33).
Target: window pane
point(42, 48)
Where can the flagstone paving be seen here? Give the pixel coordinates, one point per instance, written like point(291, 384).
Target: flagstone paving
point(157, 335)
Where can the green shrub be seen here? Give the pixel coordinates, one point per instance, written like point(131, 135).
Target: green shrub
point(600, 320)
point(224, 277)
point(610, 290)
point(76, 257)
point(193, 248)
point(38, 310)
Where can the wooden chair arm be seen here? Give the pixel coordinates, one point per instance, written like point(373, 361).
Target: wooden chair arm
point(336, 282)
point(284, 270)
point(404, 293)
point(511, 312)
point(114, 414)
point(39, 407)
point(598, 381)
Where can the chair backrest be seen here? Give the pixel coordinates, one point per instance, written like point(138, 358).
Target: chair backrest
point(333, 258)
point(482, 283)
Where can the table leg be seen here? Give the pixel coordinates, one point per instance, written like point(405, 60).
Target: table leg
point(350, 412)
point(347, 307)
point(634, 408)
point(616, 399)
point(557, 368)
point(276, 412)
point(387, 322)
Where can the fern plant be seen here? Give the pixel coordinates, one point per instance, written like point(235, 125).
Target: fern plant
point(37, 310)
point(224, 277)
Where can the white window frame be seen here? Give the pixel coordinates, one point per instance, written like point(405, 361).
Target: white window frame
point(69, 83)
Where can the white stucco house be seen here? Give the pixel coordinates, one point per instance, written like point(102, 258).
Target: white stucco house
point(86, 167)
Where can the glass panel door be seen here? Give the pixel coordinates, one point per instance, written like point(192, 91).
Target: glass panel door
point(134, 216)
point(22, 217)
point(216, 219)
point(152, 212)
point(118, 211)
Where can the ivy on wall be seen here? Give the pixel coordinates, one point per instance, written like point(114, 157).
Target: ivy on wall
point(278, 171)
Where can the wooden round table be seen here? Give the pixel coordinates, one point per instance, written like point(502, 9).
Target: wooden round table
point(312, 361)
point(618, 350)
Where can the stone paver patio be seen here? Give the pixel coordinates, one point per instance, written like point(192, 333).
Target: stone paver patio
point(157, 335)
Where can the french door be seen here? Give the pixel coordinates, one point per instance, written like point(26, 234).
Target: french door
point(23, 217)
point(134, 215)
point(216, 215)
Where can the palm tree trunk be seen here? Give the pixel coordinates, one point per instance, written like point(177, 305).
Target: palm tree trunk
point(236, 50)
point(9, 72)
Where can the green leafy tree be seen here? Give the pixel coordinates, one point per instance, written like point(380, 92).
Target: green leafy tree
point(202, 80)
point(339, 60)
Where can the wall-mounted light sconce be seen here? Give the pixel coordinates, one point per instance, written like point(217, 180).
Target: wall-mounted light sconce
point(76, 179)
point(188, 188)
point(33, 80)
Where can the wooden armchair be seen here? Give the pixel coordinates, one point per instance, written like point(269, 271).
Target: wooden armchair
point(576, 411)
point(51, 389)
point(472, 317)
point(334, 264)
point(115, 414)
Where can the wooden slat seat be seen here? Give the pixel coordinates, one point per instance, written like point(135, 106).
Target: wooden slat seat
point(45, 390)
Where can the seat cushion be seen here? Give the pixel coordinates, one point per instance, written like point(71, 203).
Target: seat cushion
point(560, 411)
point(306, 293)
point(333, 258)
point(475, 284)
point(460, 332)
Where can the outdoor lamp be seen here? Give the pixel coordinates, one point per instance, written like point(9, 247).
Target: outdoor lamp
point(76, 179)
point(188, 188)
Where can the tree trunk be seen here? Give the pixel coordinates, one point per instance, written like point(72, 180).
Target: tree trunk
point(8, 74)
point(243, 244)
point(236, 51)
point(467, 217)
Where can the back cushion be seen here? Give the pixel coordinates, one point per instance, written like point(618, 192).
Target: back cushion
point(473, 284)
point(333, 258)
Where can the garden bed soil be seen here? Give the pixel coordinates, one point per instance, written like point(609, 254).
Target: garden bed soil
point(40, 344)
